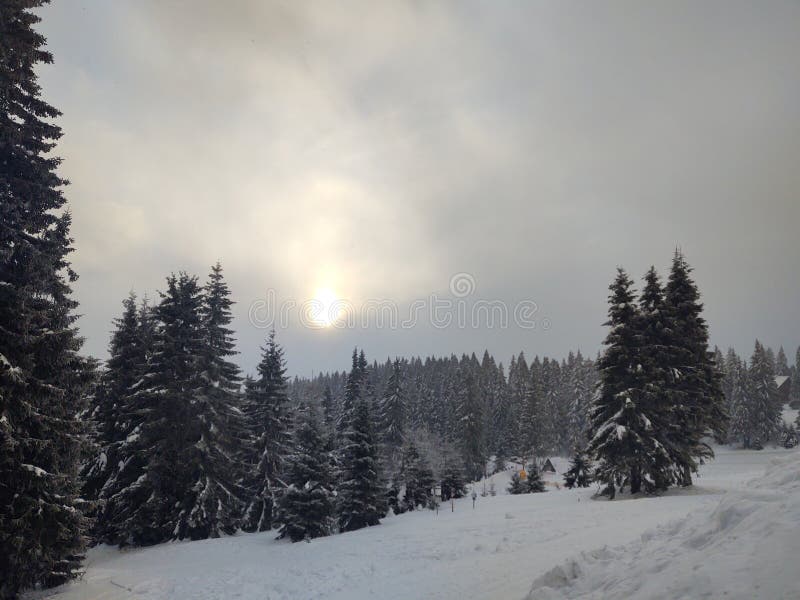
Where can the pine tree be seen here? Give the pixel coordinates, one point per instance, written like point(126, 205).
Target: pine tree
point(360, 490)
point(152, 508)
point(452, 481)
point(781, 363)
point(393, 410)
point(266, 410)
point(418, 479)
point(214, 504)
point(579, 473)
point(516, 485)
point(353, 390)
point(471, 430)
point(795, 389)
point(123, 370)
point(533, 483)
point(621, 434)
point(43, 380)
point(762, 395)
point(652, 340)
point(741, 426)
point(328, 407)
point(693, 387)
point(306, 505)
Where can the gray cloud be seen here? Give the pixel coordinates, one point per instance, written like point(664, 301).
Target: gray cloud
point(378, 148)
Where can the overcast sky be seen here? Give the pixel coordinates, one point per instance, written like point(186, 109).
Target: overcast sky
point(379, 148)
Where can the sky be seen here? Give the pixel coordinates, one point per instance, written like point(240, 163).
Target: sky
point(409, 156)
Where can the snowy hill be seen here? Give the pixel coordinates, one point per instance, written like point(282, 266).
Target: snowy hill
point(494, 551)
point(747, 547)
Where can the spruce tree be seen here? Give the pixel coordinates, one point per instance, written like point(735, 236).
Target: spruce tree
point(123, 370)
point(781, 363)
point(533, 483)
point(418, 479)
point(742, 423)
point(621, 433)
point(360, 490)
point(652, 340)
point(150, 509)
point(43, 380)
point(471, 431)
point(694, 387)
point(393, 410)
point(762, 395)
point(214, 504)
point(306, 505)
point(579, 473)
point(516, 485)
point(266, 409)
point(795, 389)
point(452, 481)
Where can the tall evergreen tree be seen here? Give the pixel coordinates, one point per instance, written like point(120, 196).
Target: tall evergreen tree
point(43, 379)
point(266, 409)
point(762, 397)
point(393, 410)
point(181, 443)
point(124, 368)
point(360, 490)
point(620, 431)
point(795, 387)
point(694, 387)
point(418, 479)
point(782, 363)
point(471, 432)
point(306, 505)
point(579, 473)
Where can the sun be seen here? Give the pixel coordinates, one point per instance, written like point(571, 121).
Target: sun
point(326, 308)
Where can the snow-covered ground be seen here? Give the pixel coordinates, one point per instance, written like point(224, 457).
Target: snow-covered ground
point(496, 550)
point(747, 547)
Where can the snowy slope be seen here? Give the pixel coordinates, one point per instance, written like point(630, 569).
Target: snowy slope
point(747, 547)
point(493, 551)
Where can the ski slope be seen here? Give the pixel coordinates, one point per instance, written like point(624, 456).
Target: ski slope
point(496, 550)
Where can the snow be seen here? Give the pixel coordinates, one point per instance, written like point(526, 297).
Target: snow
point(746, 547)
point(789, 414)
point(496, 550)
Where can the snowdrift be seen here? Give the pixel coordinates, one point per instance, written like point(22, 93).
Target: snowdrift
point(748, 547)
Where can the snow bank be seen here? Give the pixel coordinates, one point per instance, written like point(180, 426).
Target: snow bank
point(747, 547)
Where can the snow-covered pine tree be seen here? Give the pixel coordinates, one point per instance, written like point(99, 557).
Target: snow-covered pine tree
point(417, 477)
point(652, 339)
point(531, 427)
point(353, 390)
point(123, 369)
point(621, 436)
point(452, 481)
point(214, 504)
point(516, 485)
point(782, 363)
point(360, 493)
point(328, 407)
point(579, 473)
point(741, 423)
point(306, 505)
point(695, 395)
point(470, 430)
point(266, 411)
point(393, 411)
point(795, 390)
point(762, 396)
point(533, 483)
point(43, 380)
point(175, 445)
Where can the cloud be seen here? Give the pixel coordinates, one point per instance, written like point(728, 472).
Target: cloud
point(378, 148)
